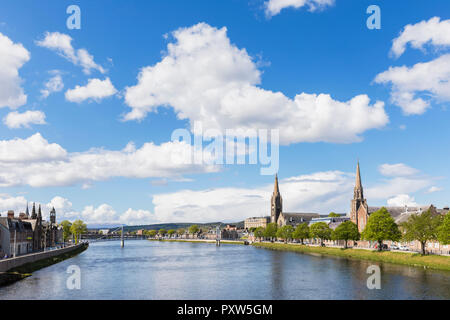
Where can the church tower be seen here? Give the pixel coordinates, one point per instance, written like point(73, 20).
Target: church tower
point(53, 216)
point(359, 210)
point(33, 212)
point(276, 203)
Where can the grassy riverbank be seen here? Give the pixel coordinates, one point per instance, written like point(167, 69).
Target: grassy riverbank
point(409, 259)
point(198, 241)
point(26, 270)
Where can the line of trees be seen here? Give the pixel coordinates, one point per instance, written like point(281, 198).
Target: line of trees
point(193, 229)
point(380, 227)
point(75, 229)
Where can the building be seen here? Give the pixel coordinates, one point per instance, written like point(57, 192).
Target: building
point(332, 222)
point(16, 235)
point(286, 218)
point(256, 222)
point(360, 211)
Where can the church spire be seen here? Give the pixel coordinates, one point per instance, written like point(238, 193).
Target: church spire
point(276, 189)
point(358, 184)
point(27, 212)
point(33, 212)
point(39, 212)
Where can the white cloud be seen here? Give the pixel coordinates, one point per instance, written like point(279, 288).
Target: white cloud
point(62, 44)
point(8, 202)
point(433, 31)
point(402, 200)
point(35, 148)
point(15, 120)
point(413, 87)
point(96, 90)
point(206, 78)
point(37, 163)
point(12, 57)
point(397, 170)
point(274, 7)
point(433, 189)
point(54, 84)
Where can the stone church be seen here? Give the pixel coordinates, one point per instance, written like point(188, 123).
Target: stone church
point(286, 218)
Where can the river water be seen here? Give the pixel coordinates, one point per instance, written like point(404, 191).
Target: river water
point(181, 270)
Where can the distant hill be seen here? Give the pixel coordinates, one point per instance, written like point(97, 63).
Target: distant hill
point(169, 226)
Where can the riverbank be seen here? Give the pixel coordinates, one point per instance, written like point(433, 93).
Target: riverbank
point(409, 259)
point(198, 241)
point(26, 269)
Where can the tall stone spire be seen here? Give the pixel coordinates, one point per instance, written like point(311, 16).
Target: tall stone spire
point(53, 216)
point(27, 212)
point(276, 189)
point(276, 203)
point(358, 184)
point(33, 212)
point(40, 212)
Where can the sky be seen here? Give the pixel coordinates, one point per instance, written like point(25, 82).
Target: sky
point(87, 115)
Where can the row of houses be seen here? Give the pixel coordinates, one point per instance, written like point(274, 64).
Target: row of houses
point(27, 233)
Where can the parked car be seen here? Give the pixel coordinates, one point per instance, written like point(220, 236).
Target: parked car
point(383, 246)
point(404, 248)
point(394, 247)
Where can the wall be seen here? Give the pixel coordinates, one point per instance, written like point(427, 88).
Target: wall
point(7, 264)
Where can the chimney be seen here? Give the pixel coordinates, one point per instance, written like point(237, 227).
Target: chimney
point(11, 214)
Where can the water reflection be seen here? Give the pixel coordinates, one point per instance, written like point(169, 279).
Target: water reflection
point(162, 270)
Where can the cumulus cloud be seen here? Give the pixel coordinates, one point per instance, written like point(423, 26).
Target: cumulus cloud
point(54, 84)
point(62, 44)
point(12, 57)
point(15, 120)
point(37, 163)
point(274, 7)
point(8, 202)
point(434, 32)
point(433, 189)
point(413, 87)
point(402, 200)
point(204, 77)
point(397, 170)
point(96, 90)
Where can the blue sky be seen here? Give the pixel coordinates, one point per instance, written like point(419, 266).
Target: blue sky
point(329, 50)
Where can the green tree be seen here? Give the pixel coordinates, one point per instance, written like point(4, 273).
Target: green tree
point(301, 232)
point(333, 215)
point(252, 229)
point(171, 232)
point(285, 233)
point(193, 229)
point(66, 224)
point(421, 227)
point(259, 233)
point(181, 231)
point(77, 228)
point(162, 232)
point(381, 226)
point(444, 230)
point(271, 231)
point(346, 231)
point(320, 230)
point(152, 233)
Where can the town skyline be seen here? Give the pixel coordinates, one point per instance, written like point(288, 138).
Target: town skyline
point(85, 130)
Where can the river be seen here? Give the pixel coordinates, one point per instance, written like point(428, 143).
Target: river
point(182, 270)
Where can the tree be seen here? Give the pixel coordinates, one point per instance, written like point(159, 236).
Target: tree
point(259, 233)
point(301, 232)
point(421, 227)
point(444, 230)
point(285, 233)
point(171, 232)
point(381, 226)
point(152, 233)
point(320, 230)
point(66, 224)
point(193, 229)
point(333, 215)
point(181, 231)
point(271, 231)
point(162, 232)
point(252, 229)
point(78, 228)
point(346, 231)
